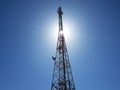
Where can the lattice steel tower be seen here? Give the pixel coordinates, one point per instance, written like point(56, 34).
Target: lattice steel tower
point(62, 75)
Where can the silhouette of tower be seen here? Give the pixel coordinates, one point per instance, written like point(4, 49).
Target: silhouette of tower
point(62, 74)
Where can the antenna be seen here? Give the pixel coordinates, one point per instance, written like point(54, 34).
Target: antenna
point(62, 74)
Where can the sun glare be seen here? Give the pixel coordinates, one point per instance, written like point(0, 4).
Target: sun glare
point(61, 32)
point(66, 31)
point(69, 31)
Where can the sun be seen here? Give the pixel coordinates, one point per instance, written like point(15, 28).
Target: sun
point(66, 32)
point(69, 31)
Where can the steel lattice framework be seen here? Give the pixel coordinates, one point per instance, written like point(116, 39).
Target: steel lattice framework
point(62, 74)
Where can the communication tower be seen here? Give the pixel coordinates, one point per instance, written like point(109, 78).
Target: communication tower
point(62, 74)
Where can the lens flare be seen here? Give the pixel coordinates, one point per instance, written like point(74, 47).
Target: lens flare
point(61, 32)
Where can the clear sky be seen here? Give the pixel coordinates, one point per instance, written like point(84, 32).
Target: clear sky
point(26, 43)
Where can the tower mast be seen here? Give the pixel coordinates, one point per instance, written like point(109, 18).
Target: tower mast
point(62, 74)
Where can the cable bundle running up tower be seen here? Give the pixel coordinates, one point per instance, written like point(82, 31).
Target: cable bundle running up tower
point(62, 74)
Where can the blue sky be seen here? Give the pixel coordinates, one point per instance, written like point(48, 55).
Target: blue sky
point(26, 49)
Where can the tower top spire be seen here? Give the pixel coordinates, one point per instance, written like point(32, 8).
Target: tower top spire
point(60, 12)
